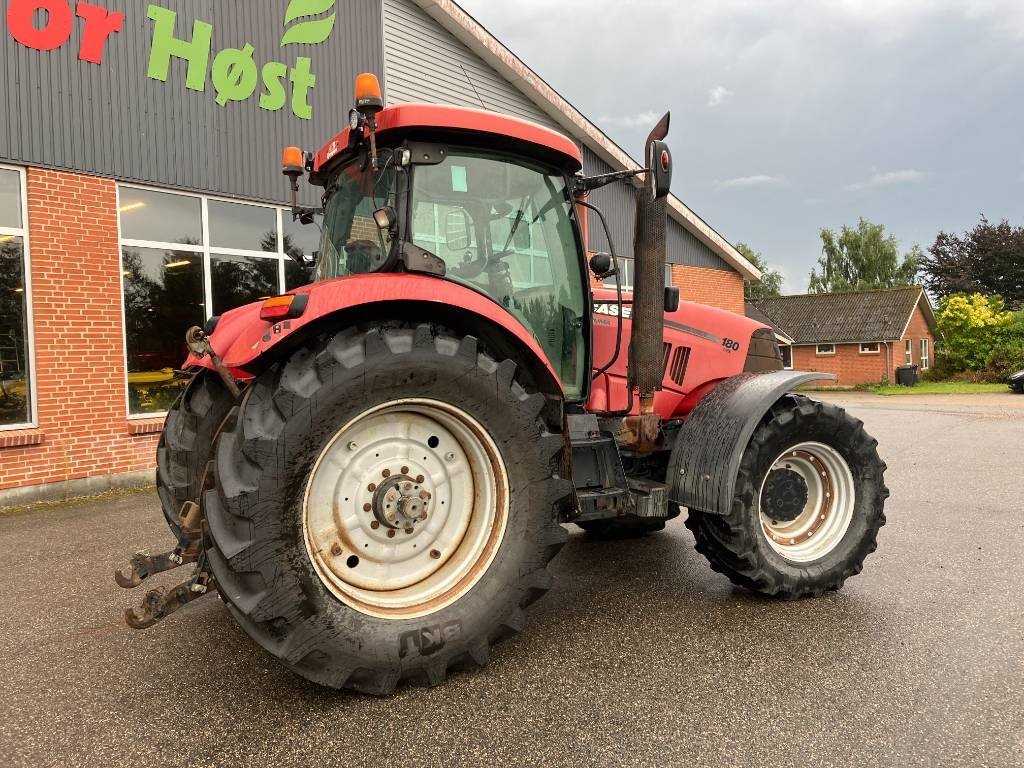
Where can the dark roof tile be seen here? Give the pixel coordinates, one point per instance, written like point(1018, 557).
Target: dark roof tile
point(836, 318)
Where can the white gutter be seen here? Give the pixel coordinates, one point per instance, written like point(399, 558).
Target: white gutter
point(475, 37)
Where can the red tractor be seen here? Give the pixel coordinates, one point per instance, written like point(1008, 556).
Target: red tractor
point(374, 470)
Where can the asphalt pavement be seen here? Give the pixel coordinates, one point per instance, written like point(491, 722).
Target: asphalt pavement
point(640, 655)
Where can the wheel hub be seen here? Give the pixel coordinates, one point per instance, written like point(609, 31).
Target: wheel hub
point(402, 501)
point(785, 496)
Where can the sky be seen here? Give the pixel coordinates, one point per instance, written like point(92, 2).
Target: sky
point(793, 115)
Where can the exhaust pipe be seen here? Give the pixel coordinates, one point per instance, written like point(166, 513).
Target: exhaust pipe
point(647, 341)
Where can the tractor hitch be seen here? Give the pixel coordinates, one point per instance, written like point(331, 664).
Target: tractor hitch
point(158, 604)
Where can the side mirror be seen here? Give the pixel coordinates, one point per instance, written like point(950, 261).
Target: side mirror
point(601, 264)
point(458, 229)
point(661, 167)
point(672, 299)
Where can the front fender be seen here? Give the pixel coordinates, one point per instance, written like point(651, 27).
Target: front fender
point(706, 457)
point(241, 338)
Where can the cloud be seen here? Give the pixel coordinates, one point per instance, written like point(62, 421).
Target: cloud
point(641, 120)
point(889, 179)
point(747, 182)
point(718, 94)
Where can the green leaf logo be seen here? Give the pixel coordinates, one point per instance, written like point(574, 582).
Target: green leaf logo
point(309, 31)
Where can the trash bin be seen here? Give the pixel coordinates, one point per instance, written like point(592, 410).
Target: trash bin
point(906, 375)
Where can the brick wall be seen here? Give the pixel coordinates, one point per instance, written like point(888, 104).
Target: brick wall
point(717, 287)
point(852, 367)
point(917, 330)
point(79, 342)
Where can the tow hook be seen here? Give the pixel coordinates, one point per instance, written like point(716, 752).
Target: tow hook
point(158, 603)
point(199, 345)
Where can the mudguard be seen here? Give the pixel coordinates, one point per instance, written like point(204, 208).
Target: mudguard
point(706, 457)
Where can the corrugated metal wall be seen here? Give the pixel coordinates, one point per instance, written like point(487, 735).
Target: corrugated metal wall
point(423, 62)
point(618, 203)
point(111, 119)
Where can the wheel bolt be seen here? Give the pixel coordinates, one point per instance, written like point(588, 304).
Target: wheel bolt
point(391, 533)
point(407, 486)
point(386, 473)
point(336, 549)
point(420, 479)
point(405, 470)
point(371, 487)
point(409, 531)
point(353, 447)
point(375, 525)
point(424, 495)
point(435, 554)
point(367, 508)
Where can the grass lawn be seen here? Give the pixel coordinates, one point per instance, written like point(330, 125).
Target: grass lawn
point(941, 388)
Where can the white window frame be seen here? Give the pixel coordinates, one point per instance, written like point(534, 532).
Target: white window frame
point(205, 250)
point(22, 232)
point(909, 352)
point(790, 348)
point(926, 362)
point(876, 351)
point(819, 353)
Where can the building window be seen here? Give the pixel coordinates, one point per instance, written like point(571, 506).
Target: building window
point(627, 274)
point(910, 352)
point(17, 390)
point(925, 361)
point(869, 349)
point(825, 349)
point(186, 258)
point(787, 357)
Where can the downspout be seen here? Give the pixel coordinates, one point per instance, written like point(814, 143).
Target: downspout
point(889, 373)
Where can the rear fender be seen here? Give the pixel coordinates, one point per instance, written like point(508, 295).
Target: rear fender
point(248, 344)
point(706, 457)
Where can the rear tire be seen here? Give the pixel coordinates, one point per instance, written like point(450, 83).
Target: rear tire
point(186, 443)
point(829, 493)
point(275, 569)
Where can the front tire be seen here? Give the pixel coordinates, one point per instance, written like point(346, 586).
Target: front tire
point(808, 505)
point(322, 454)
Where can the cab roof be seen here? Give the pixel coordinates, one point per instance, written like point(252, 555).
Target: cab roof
point(434, 119)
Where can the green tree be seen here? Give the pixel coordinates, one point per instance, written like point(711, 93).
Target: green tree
point(987, 259)
point(861, 258)
point(771, 279)
point(971, 327)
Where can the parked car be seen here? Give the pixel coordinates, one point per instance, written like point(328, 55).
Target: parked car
point(1017, 382)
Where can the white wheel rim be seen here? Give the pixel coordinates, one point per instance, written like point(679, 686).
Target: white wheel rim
point(406, 508)
point(826, 516)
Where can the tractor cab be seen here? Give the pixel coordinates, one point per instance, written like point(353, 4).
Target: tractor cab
point(469, 197)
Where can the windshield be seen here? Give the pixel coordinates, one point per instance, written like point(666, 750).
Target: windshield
point(503, 226)
point(352, 244)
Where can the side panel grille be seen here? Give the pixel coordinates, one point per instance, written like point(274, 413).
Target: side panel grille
point(680, 361)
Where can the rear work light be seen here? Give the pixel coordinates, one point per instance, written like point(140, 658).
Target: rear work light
point(284, 308)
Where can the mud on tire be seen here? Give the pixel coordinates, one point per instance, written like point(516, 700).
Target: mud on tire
point(255, 511)
point(186, 443)
point(737, 544)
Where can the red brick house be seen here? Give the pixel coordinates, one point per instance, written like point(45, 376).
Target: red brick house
point(861, 336)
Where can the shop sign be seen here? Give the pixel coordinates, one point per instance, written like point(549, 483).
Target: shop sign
point(233, 72)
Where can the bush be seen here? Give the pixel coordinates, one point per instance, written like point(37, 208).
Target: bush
point(1007, 355)
point(971, 326)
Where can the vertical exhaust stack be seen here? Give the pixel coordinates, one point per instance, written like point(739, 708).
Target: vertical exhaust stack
point(649, 249)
